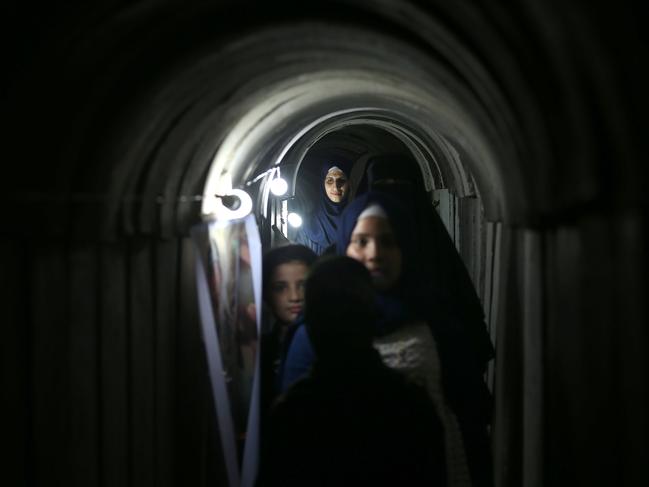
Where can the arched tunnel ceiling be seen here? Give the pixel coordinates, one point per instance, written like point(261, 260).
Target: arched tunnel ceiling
point(145, 95)
point(278, 105)
point(361, 138)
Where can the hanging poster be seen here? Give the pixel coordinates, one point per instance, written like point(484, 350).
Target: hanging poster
point(229, 280)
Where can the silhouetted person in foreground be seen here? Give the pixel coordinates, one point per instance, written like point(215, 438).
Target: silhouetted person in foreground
point(352, 421)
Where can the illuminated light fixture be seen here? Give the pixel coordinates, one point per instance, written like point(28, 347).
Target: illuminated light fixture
point(223, 202)
point(234, 205)
point(278, 186)
point(294, 220)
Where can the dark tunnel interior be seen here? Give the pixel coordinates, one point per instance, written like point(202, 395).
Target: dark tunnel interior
point(126, 123)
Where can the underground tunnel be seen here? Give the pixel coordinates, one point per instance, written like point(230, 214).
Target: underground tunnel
point(125, 125)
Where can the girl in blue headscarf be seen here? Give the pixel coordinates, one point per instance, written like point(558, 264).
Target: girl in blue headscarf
point(417, 334)
point(319, 229)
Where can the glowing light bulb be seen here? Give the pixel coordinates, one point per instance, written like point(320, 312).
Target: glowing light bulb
point(294, 220)
point(278, 186)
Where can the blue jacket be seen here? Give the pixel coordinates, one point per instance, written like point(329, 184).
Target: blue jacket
point(298, 360)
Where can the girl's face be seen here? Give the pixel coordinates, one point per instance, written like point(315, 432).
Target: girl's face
point(287, 290)
point(374, 245)
point(336, 185)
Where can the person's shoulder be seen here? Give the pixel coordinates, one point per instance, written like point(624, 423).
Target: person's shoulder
point(299, 399)
point(299, 339)
point(411, 402)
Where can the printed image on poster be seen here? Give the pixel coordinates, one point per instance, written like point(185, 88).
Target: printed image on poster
point(230, 275)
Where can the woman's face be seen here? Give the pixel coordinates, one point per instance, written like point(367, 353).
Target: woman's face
point(336, 185)
point(287, 290)
point(374, 245)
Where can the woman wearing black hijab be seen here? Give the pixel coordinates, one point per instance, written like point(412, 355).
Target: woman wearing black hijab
point(416, 333)
point(319, 229)
point(399, 176)
point(411, 298)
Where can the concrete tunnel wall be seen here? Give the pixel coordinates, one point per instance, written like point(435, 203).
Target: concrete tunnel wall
point(103, 370)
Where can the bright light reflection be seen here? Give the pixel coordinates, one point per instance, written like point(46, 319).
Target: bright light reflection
point(294, 220)
point(278, 186)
